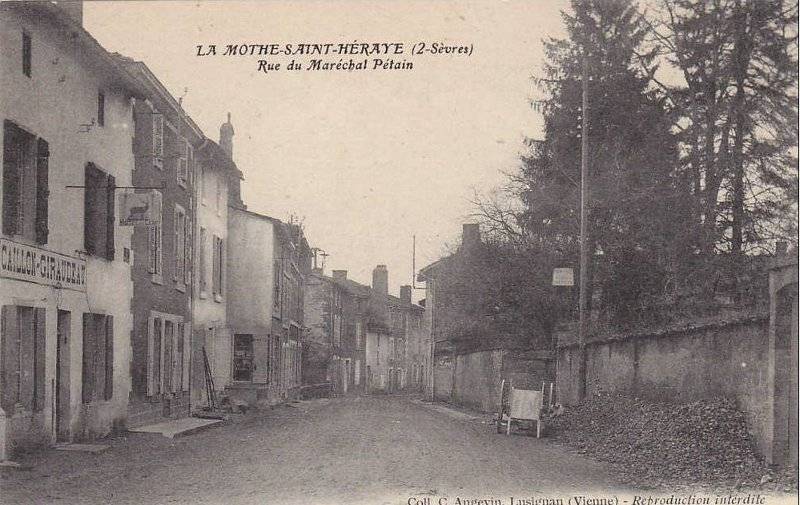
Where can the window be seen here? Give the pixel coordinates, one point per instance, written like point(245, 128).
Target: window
point(98, 219)
point(23, 358)
point(98, 357)
point(218, 277)
point(202, 260)
point(101, 109)
point(25, 184)
point(179, 243)
point(26, 54)
point(167, 354)
point(158, 140)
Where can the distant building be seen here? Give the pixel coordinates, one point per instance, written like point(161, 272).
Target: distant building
point(268, 262)
point(65, 263)
point(164, 144)
point(218, 182)
point(333, 348)
point(390, 324)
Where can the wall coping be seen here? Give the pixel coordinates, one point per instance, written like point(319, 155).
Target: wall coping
point(675, 330)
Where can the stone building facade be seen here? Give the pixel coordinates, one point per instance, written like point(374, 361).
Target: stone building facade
point(164, 143)
point(65, 263)
point(333, 349)
point(268, 263)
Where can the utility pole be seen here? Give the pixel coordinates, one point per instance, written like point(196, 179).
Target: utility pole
point(583, 317)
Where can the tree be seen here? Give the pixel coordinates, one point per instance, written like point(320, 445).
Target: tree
point(736, 111)
point(635, 204)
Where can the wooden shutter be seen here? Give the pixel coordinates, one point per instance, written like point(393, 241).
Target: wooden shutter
point(11, 179)
point(221, 267)
point(110, 216)
point(187, 250)
point(39, 354)
point(27, 365)
point(151, 248)
point(109, 358)
point(42, 190)
point(87, 370)
point(9, 332)
point(187, 355)
point(177, 254)
point(215, 266)
point(90, 210)
point(150, 356)
point(167, 361)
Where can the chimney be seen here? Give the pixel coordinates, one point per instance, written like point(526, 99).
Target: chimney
point(405, 294)
point(339, 275)
point(73, 8)
point(380, 280)
point(226, 136)
point(470, 236)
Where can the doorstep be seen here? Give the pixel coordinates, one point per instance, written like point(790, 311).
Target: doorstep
point(90, 448)
point(175, 428)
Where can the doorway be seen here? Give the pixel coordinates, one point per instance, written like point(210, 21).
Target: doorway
point(243, 358)
point(62, 376)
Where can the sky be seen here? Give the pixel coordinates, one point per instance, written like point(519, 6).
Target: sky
point(367, 159)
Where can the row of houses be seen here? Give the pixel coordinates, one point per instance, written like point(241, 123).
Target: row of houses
point(110, 320)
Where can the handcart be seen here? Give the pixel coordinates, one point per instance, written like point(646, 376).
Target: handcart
point(520, 406)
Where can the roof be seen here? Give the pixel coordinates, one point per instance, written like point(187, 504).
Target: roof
point(141, 71)
point(429, 271)
point(219, 157)
point(89, 45)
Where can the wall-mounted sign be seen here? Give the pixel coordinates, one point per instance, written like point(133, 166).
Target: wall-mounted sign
point(32, 264)
point(563, 277)
point(140, 208)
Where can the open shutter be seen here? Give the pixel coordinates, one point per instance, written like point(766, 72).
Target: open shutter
point(11, 180)
point(42, 190)
point(110, 217)
point(109, 358)
point(9, 332)
point(87, 371)
point(187, 250)
point(150, 356)
point(187, 355)
point(27, 365)
point(39, 358)
point(215, 266)
point(90, 211)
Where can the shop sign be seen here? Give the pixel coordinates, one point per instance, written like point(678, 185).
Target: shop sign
point(33, 264)
point(140, 208)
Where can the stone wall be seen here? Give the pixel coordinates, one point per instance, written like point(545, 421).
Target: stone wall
point(721, 359)
point(473, 379)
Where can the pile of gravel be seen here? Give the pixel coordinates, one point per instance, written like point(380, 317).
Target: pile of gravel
point(660, 444)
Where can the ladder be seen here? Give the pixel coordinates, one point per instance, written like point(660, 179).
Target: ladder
point(210, 394)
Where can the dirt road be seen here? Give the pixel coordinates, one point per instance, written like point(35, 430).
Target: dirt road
point(343, 450)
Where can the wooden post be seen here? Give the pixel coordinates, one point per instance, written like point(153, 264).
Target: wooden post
point(584, 279)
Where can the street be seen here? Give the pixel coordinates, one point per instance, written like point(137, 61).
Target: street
point(378, 449)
